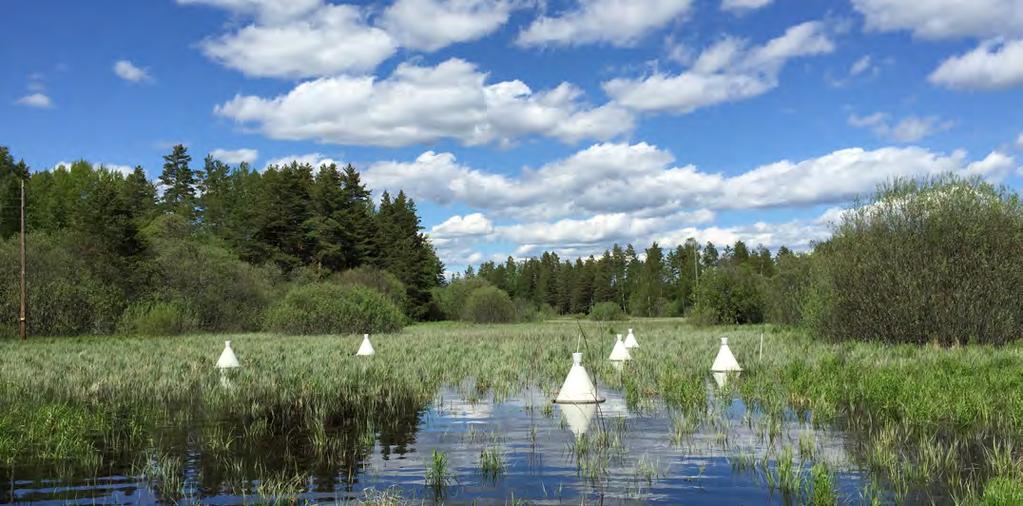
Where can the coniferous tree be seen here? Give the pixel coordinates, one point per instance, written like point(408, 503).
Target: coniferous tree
point(406, 253)
point(633, 269)
point(329, 241)
point(179, 183)
point(214, 200)
point(603, 279)
point(649, 289)
point(139, 196)
point(283, 209)
point(356, 219)
point(710, 256)
point(582, 295)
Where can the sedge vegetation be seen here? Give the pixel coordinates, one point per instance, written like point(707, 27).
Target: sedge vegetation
point(919, 420)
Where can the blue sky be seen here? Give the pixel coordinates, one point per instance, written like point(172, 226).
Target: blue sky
point(523, 125)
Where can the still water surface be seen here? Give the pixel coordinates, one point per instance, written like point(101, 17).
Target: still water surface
point(635, 455)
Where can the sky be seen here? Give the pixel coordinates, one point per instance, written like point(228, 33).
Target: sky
point(520, 126)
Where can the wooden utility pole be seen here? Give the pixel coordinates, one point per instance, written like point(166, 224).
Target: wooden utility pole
point(21, 319)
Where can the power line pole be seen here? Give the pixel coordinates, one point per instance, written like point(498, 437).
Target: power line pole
point(21, 320)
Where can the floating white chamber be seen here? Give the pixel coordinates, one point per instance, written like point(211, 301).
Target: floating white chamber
point(578, 389)
point(365, 349)
point(227, 359)
point(620, 352)
point(630, 341)
point(725, 361)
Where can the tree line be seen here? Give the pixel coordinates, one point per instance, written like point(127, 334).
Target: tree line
point(930, 260)
point(654, 283)
point(295, 248)
point(102, 241)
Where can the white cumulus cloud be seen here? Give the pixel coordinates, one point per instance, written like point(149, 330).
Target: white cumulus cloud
point(37, 100)
point(643, 180)
point(314, 38)
point(744, 5)
point(129, 72)
point(330, 40)
point(908, 129)
point(616, 22)
point(938, 19)
point(992, 65)
point(430, 25)
point(235, 156)
point(421, 104)
point(474, 224)
point(728, 71)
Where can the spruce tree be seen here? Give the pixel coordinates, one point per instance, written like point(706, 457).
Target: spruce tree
point(328, 238)
point(179, 184)
point(139, 195)
point(356, 218)
point(215, 199)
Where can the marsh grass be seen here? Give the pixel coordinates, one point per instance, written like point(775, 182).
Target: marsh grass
point(438, 474)
point(924, 421)
point(492, 464)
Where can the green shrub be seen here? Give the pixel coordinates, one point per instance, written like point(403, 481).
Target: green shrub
point(489, 304)
point(226, 293)
point(606, 311)
point(328, 308)
point(729, 295)
point(380, 280)
point(451, 299)
point(786, 291)
point(934, 261)
point(65, 295)
point(526, 310)
point(159, 318)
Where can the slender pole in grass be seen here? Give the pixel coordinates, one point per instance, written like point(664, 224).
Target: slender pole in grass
point(21, 318)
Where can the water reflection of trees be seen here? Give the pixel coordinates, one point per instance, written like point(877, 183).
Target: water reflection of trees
point(184, 452)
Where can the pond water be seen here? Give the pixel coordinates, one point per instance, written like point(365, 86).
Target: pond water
point(543, 453)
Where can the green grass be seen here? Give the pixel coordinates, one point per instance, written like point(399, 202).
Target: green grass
point(919, 417)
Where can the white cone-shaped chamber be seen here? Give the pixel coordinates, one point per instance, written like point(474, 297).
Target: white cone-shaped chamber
point(630, 341)
point(578, 389)
point(578, 417)
point(366, 348)
point(227, 359)
point(620, 352)
point(725, 361)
